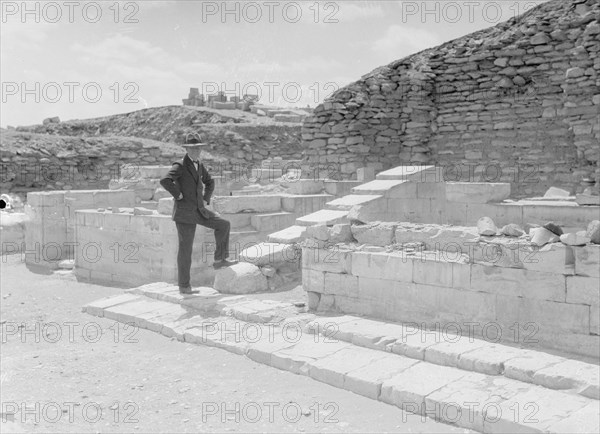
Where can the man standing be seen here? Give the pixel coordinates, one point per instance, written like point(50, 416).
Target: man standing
point(190, 185)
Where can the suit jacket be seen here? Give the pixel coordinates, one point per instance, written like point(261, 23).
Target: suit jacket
point(183, 178)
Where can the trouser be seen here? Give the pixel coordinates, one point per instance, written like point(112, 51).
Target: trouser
point(186, 233)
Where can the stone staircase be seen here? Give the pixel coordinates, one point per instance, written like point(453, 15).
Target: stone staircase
point(464, 381)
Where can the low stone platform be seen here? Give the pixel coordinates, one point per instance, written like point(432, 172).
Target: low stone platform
point(471, 383)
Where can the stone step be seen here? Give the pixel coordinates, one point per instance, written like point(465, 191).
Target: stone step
point(275, 254)
point(304, 186)
point(305, 203)
point(347, 202)
point(249, 203)
point(324, 216)
point(394, 189)
point(416, 174)
point(272, 222)
point(463, 352)
point(290, 235)
point(340, 188)
point(239, 220)
point(472, 400)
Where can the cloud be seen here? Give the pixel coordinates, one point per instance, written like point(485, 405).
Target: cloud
point(400, 41)
point(351, 11)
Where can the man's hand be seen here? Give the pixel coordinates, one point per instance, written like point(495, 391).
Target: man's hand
point(180, 196)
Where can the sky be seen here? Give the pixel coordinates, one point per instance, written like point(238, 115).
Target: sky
point(79, 60)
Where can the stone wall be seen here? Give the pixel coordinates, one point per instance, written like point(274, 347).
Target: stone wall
point(514, 103)
point(551, 301)
point(34, 162)
point(50, 228)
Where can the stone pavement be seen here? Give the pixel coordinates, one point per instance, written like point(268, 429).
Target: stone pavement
point(462, 381)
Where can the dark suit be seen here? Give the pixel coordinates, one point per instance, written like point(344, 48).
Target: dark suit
point(189, 211)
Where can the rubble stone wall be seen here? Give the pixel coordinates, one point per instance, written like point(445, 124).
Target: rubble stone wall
point(515, 103)
point(37, 162)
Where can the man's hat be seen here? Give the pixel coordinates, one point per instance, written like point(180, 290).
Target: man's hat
point(194, 140)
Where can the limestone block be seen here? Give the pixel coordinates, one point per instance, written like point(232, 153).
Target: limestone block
point(351, 200)
point(488, 359)
point(372, 210)
point(551, 258)
point(414, 174)
point(365, 174)
point(313, 300)
point(574, 239)
point(450, 350)
point(97, 307)
point(247, 203)
point(165, 206)
point(304, 186)
point(465, 401)
point(313, 281)
point(304, 204)
point(583, 290)
point(324, 216)
point(516, 282)
point(584, 420)
point(388, 188)
point(272, 221)
point(477, 192)
point(296, 358)
point(341, 284)
point(378, 234)
point(366, 381)
point(542, 317)
point(290, 235)
point(430, 270)
point(486, 227)
point(587, 260)
point(512, 230)
point(142, 211)
point(431, 190)
point(409, 388)
point(333, 368)
point(270, 254)
point(241, 278)
point(388, 266)
point(46, 198)
point(593, 231)
point(318, 232)
point(340, 188)
point(332, 259)
point(341, 233)
point(542, 236)
point(550, 406)
point(571, 374)
point(567, 214)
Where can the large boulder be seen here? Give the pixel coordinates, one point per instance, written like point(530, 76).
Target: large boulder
point(241, 278)
point(593, 231)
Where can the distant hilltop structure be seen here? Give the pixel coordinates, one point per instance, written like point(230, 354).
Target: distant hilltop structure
point(219, 100)
point(247, 103)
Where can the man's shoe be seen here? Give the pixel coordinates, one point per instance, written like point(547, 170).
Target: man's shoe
point(187, 290)
point(223, 263)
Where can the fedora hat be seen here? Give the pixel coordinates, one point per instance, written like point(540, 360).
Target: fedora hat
point(194, 140)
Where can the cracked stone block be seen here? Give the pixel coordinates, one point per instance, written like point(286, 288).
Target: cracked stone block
point(587, 260)
point(333, 368)
point(408, 389)
point(367, 381)
point(341, 233)
point(378, 234)
point(477, 192)
point(571, 374)
point(464, 402)
point(532, 410)
point(524, 367)
point(247, 203)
